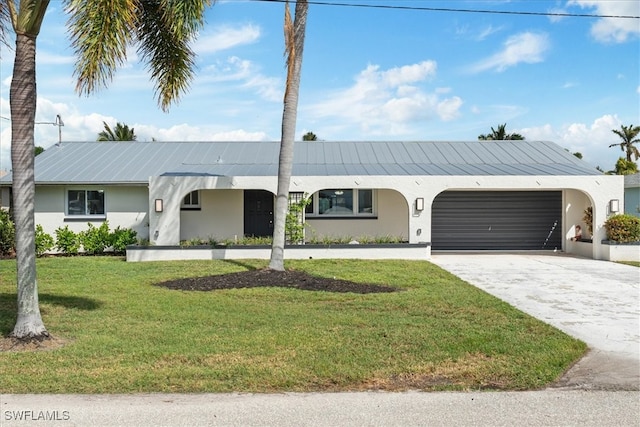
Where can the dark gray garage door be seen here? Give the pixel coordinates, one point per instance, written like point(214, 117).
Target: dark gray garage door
point(497, 220)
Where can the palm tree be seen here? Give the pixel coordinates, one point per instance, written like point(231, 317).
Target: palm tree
point(121, 132)
point(294, 45)
point(309, 136)
point(100, 33)
point(500, 135)
point(628, 134)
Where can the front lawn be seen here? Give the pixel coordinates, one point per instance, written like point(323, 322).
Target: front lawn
point(125, 335)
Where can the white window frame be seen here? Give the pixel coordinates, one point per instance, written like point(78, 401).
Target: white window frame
point(189, 205)
point(313, 212)
point(87, 213)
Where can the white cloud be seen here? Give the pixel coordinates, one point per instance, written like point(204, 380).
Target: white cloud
point(569, 85)
point(613, 30)
point(488, 31)
point(592, 140)
point(558, 11)
point(226, 37)
point(449, 109)
point(185, 132)
point(386, 102)
point(525, 47)
point(244, 72)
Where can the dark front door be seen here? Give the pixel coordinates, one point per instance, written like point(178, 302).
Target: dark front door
point(258, 213)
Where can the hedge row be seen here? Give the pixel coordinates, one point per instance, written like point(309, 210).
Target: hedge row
point(93, 241)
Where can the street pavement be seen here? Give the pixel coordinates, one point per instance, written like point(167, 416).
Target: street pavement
point(595, 301)
point(540, 408)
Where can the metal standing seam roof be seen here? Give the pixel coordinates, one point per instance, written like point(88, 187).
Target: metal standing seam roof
point(134, 162)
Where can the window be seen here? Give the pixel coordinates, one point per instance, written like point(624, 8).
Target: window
point(341, 203)
point(85, 202)
point(191, 201)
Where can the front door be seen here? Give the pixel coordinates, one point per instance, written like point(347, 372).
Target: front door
point(258, 213)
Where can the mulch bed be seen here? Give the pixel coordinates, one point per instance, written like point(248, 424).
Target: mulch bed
point(271, 278)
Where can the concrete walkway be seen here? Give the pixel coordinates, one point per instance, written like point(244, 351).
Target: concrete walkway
point(595, 301)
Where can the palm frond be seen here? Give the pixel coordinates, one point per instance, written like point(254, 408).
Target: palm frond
point(5, 21)
point(164, 33)
point(100, 32)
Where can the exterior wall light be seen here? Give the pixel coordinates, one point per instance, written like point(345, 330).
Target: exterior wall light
point(614, 205)
point(158, 205)
point(420, 204)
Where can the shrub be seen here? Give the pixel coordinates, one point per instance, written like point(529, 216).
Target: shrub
point(294, 226)
point(67, 241)
point(588, 219)
point(44, 241)
point(623, 228)
point(7, 233)
point(96, 239)
point(121, 238)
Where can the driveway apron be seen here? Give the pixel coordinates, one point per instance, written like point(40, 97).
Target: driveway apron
point(597, 302)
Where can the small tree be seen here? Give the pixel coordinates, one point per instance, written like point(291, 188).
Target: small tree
point(625, 167)
point(309, 136)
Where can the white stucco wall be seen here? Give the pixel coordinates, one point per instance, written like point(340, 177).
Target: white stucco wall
point(598, 189)
point(126, 207)
point(392, 219)
point(220, 216)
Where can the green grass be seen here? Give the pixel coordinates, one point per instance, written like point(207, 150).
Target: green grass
point(633, 263)
point(126, 335)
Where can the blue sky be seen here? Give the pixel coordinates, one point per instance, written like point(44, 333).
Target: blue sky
point(370, 74)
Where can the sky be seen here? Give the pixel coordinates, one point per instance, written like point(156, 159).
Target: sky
point(397, 71)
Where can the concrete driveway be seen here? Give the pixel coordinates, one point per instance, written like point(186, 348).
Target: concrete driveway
point(595, 301)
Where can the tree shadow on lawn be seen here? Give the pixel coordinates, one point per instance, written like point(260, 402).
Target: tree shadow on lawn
point(9, 307)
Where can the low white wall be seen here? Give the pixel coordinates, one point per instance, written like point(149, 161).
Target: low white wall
point(583, 249)
point(621, 252)
point(172, 253)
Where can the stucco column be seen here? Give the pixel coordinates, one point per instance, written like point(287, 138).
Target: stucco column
point(164, 227)
point(420, 200)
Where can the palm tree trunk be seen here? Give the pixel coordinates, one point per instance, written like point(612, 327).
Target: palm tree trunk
point(23, 109)
point(295, 45)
